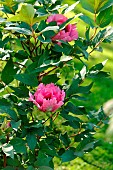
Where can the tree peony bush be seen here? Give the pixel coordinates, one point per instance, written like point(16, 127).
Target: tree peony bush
point(44, 80)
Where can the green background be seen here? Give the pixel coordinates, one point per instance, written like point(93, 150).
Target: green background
point(102, 157)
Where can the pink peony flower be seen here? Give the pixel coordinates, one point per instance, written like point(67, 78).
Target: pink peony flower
point(59, 18)
point(68, 34)
point(48, 97)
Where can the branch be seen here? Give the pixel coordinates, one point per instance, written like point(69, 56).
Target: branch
point(95, 28)
point(96, 45)
point(95, 31)
point(19, 64)
point(46, 73)
point(4, 158)
point(49, 117)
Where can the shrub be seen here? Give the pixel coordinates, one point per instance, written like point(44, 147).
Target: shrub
point(40, 82)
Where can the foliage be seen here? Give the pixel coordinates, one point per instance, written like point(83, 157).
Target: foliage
point(30, 138)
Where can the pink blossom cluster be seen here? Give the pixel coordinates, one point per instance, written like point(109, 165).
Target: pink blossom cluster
point(48, 97)
point(68, 34)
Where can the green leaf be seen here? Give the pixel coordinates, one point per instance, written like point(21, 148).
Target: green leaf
point(83, 72)
point(52, 140)
point(15, 125)
point(87, 144)
point(109, 35)
point(69, 117)
point(84, 89)
point(1, 86)
point(31, 141)
point(65, 139)
point(44, 39)
point(98, 115)
point(83, 135)
point(87, 20)
point(44, 168)
point(37, 124)
point(29, 1)
point(4, 102)
point(8, 72)
point(19, 30)
point(40, 131)
point(65, 58)
point(87, 33)
point(39, 19)
point(50, 78)
point(31, 67)
point(65, 48)
point(70, 8)
point(88, 5)
point(72, 89)
point(99, 74)
point(96, 6)
point(84, 143)
point(9, 111)
point(41, 11)
point(49, 28)
point(2, 20)
point(8, 150)
point(71, 120)
point(19, 145)
point(43, 159)
point(107, 4)
point(77, 110)
point(105, 35)
point(90, 146)
point(73, 123)
point(9, 168)
point(42, 25)
point(13, 162)
point(28, 79)
point(34, 68)
point(104, 18)
point(30, 168)
point(68, 155)
point(21, 91)
point(97, 67)
point(62, 26)
point(26, 14)
point(47, 148)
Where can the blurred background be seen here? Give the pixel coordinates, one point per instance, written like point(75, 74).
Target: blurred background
point(100, 158)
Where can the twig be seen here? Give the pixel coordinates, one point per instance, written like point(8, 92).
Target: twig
point(49, 117)
point(4, 158)
point(56, 116)
point(95, 31)
point(19, 64)
point(32, 117)
point(46, 73)
point(96, 46)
